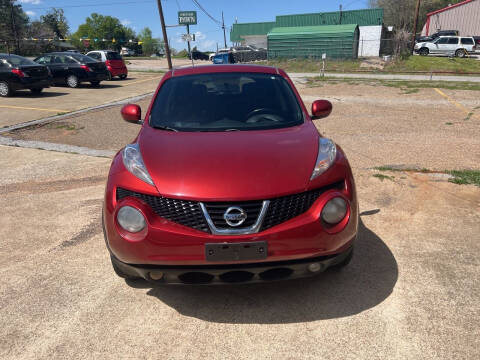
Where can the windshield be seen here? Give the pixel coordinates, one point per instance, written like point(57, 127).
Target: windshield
point(112, 55)
point(225, 102)
point(15, 60)
point(82, 58)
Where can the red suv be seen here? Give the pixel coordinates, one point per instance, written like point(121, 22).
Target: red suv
point(113, 61)
point(228, 181)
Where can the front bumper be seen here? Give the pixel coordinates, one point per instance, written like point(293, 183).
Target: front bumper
point(233, 273)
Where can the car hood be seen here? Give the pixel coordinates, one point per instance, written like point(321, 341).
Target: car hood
point(235, 165)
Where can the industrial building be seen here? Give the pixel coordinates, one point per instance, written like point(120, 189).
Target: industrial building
point(464, 17)
point(365, 41)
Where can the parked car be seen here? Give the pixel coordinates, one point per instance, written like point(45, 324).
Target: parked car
point(113, 61)
point(198, 55)
point(223, 58)
point(219, 51)
point(436, 35)
point(18, 73)
point(127, 52)
point(459, 46)
point(228, 181)
point(248, 53)
point(73, 51)
point(73, 69)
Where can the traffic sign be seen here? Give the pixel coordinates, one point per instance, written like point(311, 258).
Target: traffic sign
point(187, 18)
point(188, 37)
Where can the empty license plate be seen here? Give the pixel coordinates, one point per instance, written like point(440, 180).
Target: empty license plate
point(236, 251)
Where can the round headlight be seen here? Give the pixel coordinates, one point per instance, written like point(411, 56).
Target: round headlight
point(334, 211)
point(131, 219)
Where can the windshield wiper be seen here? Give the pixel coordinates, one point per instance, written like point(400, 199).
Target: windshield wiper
point(231, 130)
point(167, 128)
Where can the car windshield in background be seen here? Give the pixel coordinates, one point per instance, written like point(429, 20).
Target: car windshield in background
point(18, 60)
point(113, 56)
point(225, 102)
point(82, 58)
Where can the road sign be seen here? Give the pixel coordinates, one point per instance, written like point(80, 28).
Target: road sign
point(187, 18)
point(188, 37)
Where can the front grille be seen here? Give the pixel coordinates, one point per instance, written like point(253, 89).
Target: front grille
point(184, 212)
point(217, 209)
point(189, 213)
point(287, 207)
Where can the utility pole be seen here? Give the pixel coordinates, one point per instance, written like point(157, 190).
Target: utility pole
point(340, 21)
point(164, 31)
point(415, 23)
point(224, 36)
point(14, 28)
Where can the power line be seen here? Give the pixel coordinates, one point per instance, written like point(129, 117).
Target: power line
point(206, 12)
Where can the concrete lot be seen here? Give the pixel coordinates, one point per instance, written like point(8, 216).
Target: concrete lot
point(25, 106)
point(411, 290)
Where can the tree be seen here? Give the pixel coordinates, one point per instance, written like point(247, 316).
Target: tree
point(13, 24)
point(55, 19)
point(98, 28)
point(149, 44)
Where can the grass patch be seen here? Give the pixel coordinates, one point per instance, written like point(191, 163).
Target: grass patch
point(308, 65)
point(394, 168)
point(407, 86)
point(383, 177)
point(465, 177)
point(448, 123)
point(433, 64)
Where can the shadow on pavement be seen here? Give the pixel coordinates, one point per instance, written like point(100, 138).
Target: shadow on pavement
point(44, 94)
point(367, 281)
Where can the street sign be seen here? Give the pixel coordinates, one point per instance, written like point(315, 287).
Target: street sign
point(188, 37)
point(187, 18)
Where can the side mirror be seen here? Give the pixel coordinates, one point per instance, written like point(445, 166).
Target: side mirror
point(132, 113)
point(321, 109)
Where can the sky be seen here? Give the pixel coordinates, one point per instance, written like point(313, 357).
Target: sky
point(142, 13)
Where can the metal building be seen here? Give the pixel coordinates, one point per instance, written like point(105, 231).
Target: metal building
point(336, 41)
point(370, 22)
point(464, 17)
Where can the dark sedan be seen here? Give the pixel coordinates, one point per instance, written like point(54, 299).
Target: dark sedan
point(17, 73)
point(198, 55)
point(73, 69)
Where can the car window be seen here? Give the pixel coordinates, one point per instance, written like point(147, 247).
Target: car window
point(43, 60)
point(18, 60)
point(226, 101)
point(68, 60)
point(112, 55)
point(467, 41)
point(442, 41)
point(452, 41)
point(82, 58)
point(96, 55)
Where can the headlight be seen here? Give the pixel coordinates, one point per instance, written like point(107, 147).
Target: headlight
point(130, 219)
point(327, 152)
point(132, 159)
point(334, 211)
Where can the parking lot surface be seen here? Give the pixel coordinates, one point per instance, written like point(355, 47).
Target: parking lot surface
point(25, 106)
point(411, 291)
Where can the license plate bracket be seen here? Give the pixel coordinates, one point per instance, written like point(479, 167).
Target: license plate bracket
point(242, 251)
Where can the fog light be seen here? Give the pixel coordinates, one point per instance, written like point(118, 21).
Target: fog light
point(315, 267)
point(131, 219)
point(334, 211)
point(156, 275)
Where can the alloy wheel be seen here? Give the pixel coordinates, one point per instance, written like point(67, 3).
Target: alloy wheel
point(4, 89)
point(72, 81)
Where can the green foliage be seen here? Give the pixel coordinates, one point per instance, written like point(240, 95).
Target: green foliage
point(182, 54)
point(13, 25)
point(98, 27)
point(149, 44)
point(465, 177)
point(55, 19)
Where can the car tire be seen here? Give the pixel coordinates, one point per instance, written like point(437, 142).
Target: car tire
point(72, 81)
point(36, 91)
point(424, 51)
point(344, 262)
point(109, 76)
point(5, 89)
point(119, 271)
point(95, 83)
point(123, 76)
point(460, 53)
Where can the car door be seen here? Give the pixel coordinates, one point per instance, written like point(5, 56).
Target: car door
point(440, 46)
point(58, 68)
point(452, 45)
point(467, 43)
